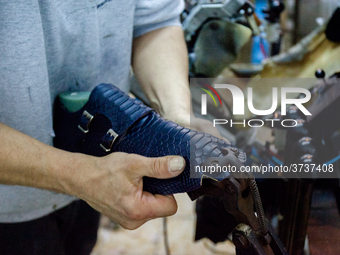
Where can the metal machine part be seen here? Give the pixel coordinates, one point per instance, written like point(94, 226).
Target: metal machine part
point(310, 142)
point(240, 194)
point(273, 26)
point(198, 12)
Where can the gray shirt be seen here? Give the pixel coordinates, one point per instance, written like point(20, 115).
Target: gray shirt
point(52, 46)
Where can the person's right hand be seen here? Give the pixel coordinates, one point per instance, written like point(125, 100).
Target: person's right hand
point(113, 185)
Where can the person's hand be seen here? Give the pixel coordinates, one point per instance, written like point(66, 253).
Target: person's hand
point(113, 185)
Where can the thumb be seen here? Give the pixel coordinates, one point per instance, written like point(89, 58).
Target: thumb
point(164, 167)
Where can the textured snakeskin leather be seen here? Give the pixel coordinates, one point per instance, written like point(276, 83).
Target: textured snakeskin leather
point(140, 131)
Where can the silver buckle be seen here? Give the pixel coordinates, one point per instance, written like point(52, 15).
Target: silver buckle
point(114, 135)
point(89, 117)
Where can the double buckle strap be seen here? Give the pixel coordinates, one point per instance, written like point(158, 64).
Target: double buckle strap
point(108, 140)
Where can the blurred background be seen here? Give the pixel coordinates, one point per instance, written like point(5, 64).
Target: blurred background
point(253, 40)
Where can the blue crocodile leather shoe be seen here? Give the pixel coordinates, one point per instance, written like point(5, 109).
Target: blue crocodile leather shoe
point(111, 121)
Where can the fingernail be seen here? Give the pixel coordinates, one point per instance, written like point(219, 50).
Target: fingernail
point(176, 164)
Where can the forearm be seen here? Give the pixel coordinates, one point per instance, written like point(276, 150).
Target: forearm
point(160, 63)
point(113, 184)
point(28, 162)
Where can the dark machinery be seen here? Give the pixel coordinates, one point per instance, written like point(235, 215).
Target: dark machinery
point(313, 146)
point(241, 198)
